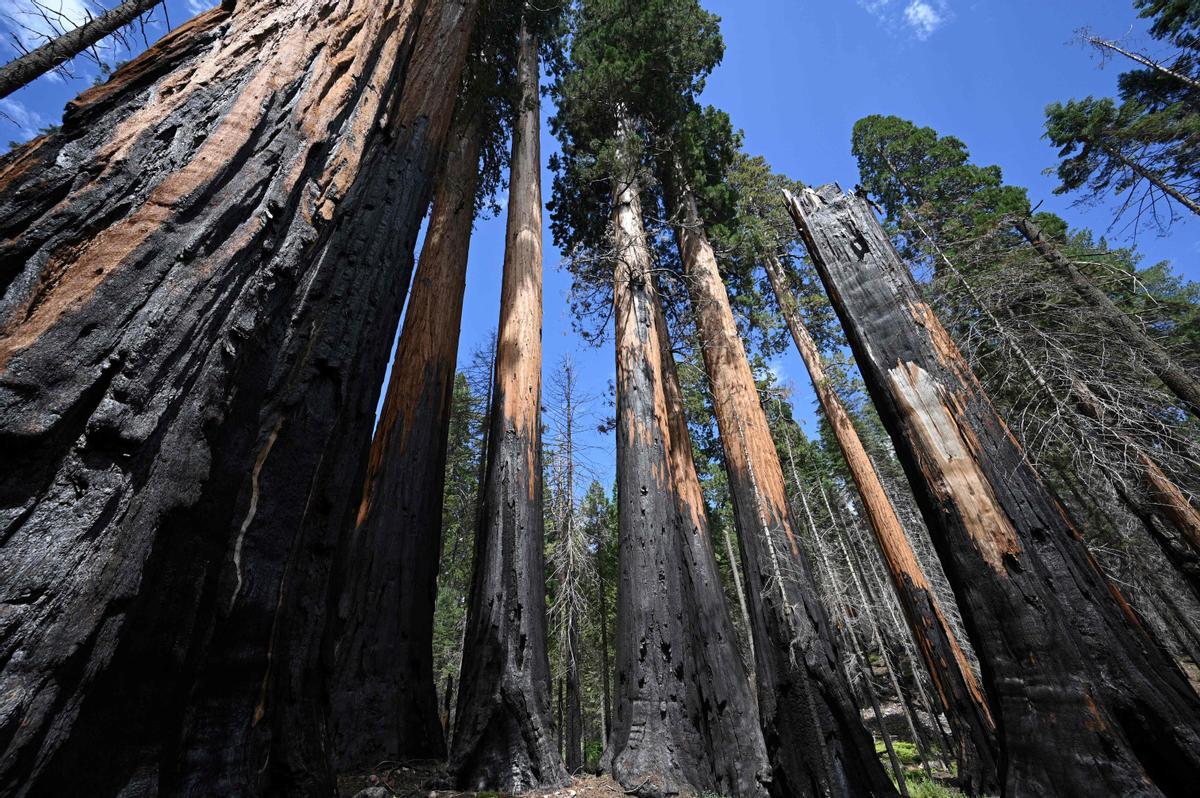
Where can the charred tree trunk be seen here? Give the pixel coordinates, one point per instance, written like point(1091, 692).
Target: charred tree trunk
point(574, 708)
point(1086, 703)
point(953, 679)
point(504, 724)
point(814, 734)
point(684, 718)
point(605, 665)
point(201, 272)
point(32, 65)
point(383, 702)
point(1183, 385)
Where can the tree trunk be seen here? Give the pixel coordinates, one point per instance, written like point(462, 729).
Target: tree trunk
point(605, 665)
point(1155, 179)
point(504, 724)
point(202, 271)
point(684, 719)
point(32, 65)
point(574, 708)
point(815, 736)
point(383, 702)
point(956, 685)
point(1086, 703)
point(1183, 385)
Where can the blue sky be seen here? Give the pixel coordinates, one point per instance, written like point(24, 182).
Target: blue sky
point(797, 75)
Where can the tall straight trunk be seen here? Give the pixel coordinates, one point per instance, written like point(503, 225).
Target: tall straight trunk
point(1149, 63)
point(605, 665)
point(956, 685)
point(31, 65)
point(814, 733)
point(504, 724)
point(201, 272)
point(1086, 702)
point(574, 708)
point(1185, 386)
point(383, 701)
point(1152, 177)
point(684, 720)
point(843, 620)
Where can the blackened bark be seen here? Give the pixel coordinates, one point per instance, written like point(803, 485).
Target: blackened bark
point(574, 708)
point(684, 719)
point(37, 62)
point(383, 702)
point(1183, 385)
point(957, 688)
point(605, 665)
point(813, 730)
point(200, 273)
point(1086, 703)
point(504, 726)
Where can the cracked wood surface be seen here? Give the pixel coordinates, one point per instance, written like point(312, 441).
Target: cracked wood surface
point(957, 688)
point(1085, 702)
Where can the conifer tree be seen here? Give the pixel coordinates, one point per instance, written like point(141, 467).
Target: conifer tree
point(683, 716)
point(205, 265)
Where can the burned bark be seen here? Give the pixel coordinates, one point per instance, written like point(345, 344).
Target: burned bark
point(812, 727)
point(504, 726)
point(684, 719)
point(31, 65)
point(201, 271)
point(955, 683)
point(383, 702)
point(1086, 702)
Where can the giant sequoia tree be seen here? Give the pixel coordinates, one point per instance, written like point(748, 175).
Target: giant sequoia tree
point(1086, 703)
point(810, 720)
point(382, 696)
point(201, 273)
point(683, 716)
point(759, 236)
point(503, 730)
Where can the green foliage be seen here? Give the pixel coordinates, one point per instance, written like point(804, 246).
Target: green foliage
point(906, 752)
point(1177, 21)
point(624, 95)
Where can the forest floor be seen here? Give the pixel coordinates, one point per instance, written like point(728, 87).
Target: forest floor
point(429, 780)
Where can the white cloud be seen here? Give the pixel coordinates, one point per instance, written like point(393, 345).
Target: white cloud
point(920, 18)
point(199, 6)
point(923, 18)
point(25, 121)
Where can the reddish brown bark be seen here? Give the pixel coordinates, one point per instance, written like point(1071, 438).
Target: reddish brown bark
point(1086, 703)
point(383, 702)
point(814, 734)
point(504, 725)
point(200, 273)
point(955, 682)
point(684, 719)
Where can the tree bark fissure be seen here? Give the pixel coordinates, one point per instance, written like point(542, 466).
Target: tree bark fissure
point(1085, 702)
point(201, 272)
